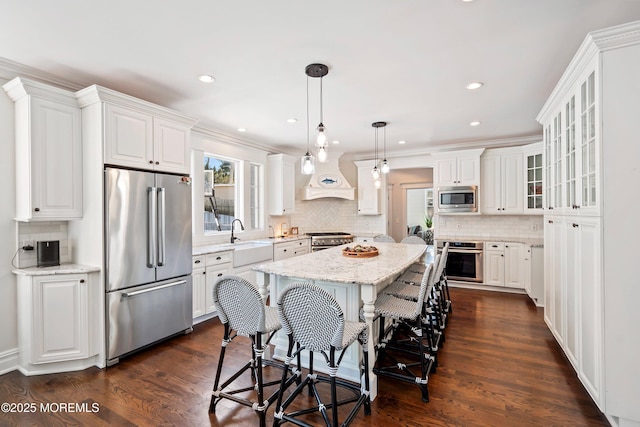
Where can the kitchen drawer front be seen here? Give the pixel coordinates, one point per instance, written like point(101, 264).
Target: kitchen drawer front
point(493, 246)
point(198, 261)
point(219, 258)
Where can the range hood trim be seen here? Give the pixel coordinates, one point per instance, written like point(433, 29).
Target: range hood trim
point(313, 193)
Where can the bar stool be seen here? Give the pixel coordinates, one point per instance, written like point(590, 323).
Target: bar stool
point(397, 357)
point(413, 240)
point(241, 309)
point(312, 318)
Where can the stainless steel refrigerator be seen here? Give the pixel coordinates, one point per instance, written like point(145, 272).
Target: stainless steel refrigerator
point(147, 258)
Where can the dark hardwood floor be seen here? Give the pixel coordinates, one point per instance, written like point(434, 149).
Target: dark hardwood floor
point(499, 366)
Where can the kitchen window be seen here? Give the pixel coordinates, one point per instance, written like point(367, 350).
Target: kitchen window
point(220, 193)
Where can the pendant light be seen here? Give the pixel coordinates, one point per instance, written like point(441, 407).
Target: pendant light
point(385, 165)
point(376, 171)
point(308, 162)
point(320, 70)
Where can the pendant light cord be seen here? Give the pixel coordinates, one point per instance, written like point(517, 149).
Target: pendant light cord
point(308, 115)
point(321, 107)
point(385, 142)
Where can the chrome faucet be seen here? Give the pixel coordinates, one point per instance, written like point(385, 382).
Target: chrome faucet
point(233, 239)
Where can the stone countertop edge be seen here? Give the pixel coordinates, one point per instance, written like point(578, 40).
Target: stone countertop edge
point(223, 247)
point(531, 241)
point(57, 269)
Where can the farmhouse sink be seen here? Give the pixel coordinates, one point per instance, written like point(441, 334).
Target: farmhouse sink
point(246, 253)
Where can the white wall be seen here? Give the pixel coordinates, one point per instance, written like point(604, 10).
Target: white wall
point(8, 314)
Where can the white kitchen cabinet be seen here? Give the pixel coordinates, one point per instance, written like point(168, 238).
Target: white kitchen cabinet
point(502, 181)
point(217, 265)
point(504, 264)
point(199, 285)
point(494, 264)
point(57, 322)
point(534, 274)
point(281, 184)
point(207, 269)
point(136, 133)
point(533, 172)
point(592, 112)
point(369, 198)
point(284, 250)
point(48, 152)
point(457, 168)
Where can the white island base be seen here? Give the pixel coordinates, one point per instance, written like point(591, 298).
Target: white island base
point(354, 282)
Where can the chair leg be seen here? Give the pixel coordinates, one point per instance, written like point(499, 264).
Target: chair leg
point(225, 341)
point(333, 369)
point(257, 351)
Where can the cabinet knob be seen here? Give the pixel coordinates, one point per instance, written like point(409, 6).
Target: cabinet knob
point(157, 163)
point(150, 162)
point(37, 209)
point(197, 261)
point(81, 280)
point(284, 250)
point(218, 258)
point(501, 255)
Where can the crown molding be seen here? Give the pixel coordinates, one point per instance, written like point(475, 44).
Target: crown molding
point(221, 136)
point(20, 87)
point(594, 43)
point(10, 70)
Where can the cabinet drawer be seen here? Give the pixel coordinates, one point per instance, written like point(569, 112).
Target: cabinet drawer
point(219, 258)
point(198, 261)
point(494, 246)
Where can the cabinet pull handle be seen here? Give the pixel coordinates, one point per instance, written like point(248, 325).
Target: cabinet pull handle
point(219, 274)
point(218, 258)
point(550, 222)
point(574, 225)
point(197, 261)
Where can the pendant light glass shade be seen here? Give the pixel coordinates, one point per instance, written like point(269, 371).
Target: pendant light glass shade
point(377, 183)
point(375, 172)
point(322, 154)
point(321, 140)
point(307, 164)
point(385, 165)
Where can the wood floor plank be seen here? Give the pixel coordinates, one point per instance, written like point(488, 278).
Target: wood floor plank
point(499, 365)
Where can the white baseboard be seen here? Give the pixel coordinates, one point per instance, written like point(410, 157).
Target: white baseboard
point(470, 285)
point(9, 361)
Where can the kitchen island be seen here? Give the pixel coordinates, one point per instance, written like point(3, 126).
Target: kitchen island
point(354, 282)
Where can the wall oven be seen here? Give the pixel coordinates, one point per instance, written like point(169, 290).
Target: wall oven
point(464, 261)
point(457, 199)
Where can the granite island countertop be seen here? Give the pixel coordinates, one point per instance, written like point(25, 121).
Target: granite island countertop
point(331, 266)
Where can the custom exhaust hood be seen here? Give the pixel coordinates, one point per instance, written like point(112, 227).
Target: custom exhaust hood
point(328, 181)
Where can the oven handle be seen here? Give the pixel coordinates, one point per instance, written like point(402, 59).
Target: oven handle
point(466, 251)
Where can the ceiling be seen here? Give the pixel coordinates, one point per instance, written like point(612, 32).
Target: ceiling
point(405, 62)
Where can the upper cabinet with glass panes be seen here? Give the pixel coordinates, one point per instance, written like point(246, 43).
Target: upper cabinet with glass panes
point(533, 178)
point(571, 147)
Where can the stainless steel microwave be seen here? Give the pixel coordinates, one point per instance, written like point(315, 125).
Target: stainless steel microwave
point(458, 199)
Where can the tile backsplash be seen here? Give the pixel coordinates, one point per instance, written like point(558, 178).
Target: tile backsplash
point(33, 232)
point(330, 215)
point(498, 226)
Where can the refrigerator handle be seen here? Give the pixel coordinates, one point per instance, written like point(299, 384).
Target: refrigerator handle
point(152, 226)
point(161, 226)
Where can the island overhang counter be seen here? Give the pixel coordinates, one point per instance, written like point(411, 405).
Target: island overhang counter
point(355, 282)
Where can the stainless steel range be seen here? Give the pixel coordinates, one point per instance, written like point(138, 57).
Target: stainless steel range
point(328, 239)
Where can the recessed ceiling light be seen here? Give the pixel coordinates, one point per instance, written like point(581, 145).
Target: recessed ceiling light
point(474, 123)
point(467, 1)
point(242, 130)
point(292, 120)
point(206, 78)
point(474, 85)
point(402, 142)
point(336, 142)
